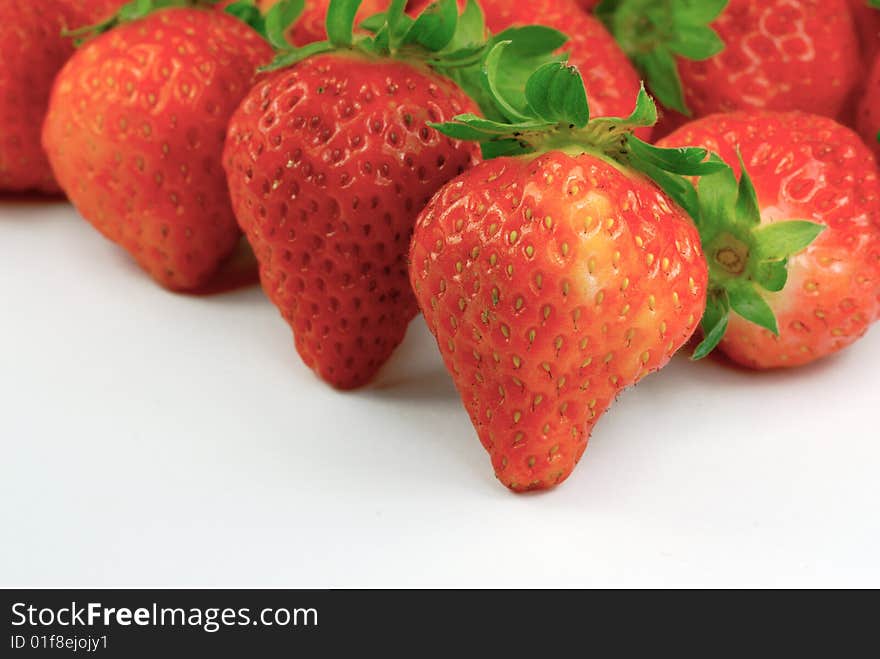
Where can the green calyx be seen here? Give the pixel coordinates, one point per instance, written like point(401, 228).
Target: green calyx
point(746, 259)
point(653, 32)
point(453, 44)
point(132, 11)
point(874, 3)
point(549, 111)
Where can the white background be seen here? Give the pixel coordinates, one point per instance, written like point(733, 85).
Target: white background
point(152, 439)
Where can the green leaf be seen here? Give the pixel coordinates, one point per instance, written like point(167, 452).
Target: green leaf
point(652, 32)
point(688, 161)
point(435, 27)
point(374, 23)
point(556, 94)
point(714, 323)
point(291, 57)
point(398, 25)
point(746, 301)
point(512, 57)
point(772, 275)
point(748, 213)
point(717, 194)
point(471, 28)
point(340, 21)
point(247, 12)
point(279, 19)
point(501, 148)
point(696, 42)
point(696, 12)
point(531, 41)
point(781, 240)
point(661, 73)
point(495, 82)
point(472, 127)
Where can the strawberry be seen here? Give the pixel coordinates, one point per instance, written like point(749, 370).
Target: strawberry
point(755, 54)
point(588, 5)
point(793, 301)
point(554, 279)
point(867, 21)
point(135, 133)
point(89, 12)
point(32, 50)
point(330, 161)
point(867, 119)
point(611, 80)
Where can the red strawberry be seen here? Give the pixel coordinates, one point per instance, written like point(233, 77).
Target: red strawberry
point(868, 111)
point(554, 280)
point(92, 11)
point(135, 134)
point(328, 163)
point(804, 167)
point(766, 54)
point(867, 21)
point(32, 51)
point(612, 82)
point(588, 5)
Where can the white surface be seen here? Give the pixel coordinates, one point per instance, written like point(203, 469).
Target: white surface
point(156, 439)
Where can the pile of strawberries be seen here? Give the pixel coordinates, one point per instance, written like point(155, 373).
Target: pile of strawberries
point(500, 167)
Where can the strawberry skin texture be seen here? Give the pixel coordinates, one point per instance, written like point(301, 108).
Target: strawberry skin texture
point(89, 12)
point(551, 283)
point(611, 81)
point(329, 162)
point(779, 55)
point(868, 111)
point(32, 51)
point(135, 134)
point(804, 167)
point(867, 21)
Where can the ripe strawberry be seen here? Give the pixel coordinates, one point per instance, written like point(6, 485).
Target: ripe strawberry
point(329, 162)
point(867, 120)
point(135, 134)
point(32, 50)
point(92, 11)
point(612, 82)
point(588, 5)
point(802, 305)
point(763, 54)
point(867, 21)
point(555, 279)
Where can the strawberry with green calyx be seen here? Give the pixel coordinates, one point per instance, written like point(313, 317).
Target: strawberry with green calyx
point(746, 259)
point(778, 55)
point(556, 274)
point(794, 247)
point(656, 35)
point(330, 161)
point(609, 77)
point(135, 132)
point(451, 42)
